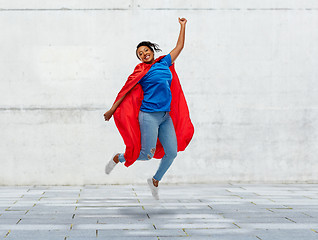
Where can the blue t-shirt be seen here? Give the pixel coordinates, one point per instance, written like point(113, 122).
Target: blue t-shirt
point(156, 86)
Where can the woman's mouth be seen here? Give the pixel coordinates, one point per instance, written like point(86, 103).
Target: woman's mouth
point(147, 57)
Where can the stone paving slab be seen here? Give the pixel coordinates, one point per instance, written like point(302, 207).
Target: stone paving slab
point(291, 234)
point(202, 211)
point(142, 233)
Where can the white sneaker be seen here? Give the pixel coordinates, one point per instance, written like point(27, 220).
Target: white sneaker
point(110, 165)
point(153, 188)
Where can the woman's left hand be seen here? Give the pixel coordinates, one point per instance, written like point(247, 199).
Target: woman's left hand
point(182, 21)
point(108, 114)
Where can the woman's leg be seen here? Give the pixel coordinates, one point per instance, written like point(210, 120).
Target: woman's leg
point(168, 139)
point(149, 124)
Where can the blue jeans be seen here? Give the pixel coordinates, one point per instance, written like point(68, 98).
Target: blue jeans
point(155, 125)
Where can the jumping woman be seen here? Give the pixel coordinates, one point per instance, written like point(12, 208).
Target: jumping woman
point(151, 112)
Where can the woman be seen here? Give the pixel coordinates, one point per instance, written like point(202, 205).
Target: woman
point(151, 106)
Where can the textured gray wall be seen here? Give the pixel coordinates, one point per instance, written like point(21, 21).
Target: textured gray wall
point(248, 69)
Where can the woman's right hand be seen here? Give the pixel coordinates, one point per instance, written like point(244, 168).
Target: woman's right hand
point(108, 114)
point(182, 21)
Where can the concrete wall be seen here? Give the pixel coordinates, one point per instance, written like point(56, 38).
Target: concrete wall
point(248, 69)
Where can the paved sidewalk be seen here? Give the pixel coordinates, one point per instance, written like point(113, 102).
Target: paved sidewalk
point(190, 212)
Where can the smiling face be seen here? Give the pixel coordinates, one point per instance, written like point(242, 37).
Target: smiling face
point(145, 54)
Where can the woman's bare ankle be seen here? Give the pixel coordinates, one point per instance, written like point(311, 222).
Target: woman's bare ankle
point(116, 159)
point(155, 182)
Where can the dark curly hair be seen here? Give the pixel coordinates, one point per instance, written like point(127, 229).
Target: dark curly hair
point(153, 47)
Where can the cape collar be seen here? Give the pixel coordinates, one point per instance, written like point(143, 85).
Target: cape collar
point(146, 65)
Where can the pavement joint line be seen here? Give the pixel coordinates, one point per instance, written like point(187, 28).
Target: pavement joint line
point(183, 229)
point(26, 212)
point(236, 225)
point(269, 210)
point(307, 197)
point(270, 199)
point(34, 205)
point(290, 219)
point(307, 215)
point(237, 196)
point(154, 226)
point(287, 207)
point(7, 234)
point(221, 214)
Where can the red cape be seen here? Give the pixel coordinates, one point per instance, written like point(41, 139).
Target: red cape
point(126, 115)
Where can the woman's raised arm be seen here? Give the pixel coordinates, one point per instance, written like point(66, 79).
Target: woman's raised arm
point(176, 51)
